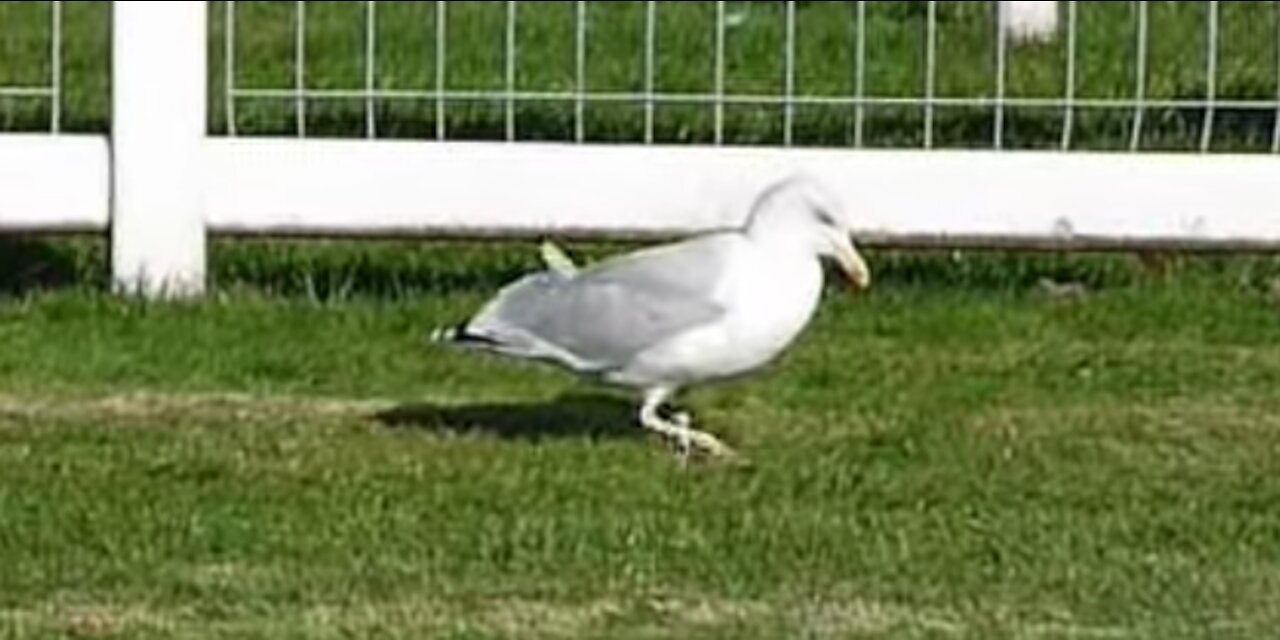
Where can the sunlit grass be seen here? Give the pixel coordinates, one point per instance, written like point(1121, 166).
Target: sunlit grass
point(962, 452)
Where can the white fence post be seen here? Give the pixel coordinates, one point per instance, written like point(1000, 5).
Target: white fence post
point(1024, 20)
point(157, 137)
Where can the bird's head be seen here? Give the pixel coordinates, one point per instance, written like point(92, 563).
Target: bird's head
point(800, 213)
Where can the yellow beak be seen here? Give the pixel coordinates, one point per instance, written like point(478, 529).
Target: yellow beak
point(854, 267)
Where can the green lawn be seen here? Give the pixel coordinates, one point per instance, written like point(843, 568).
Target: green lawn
point(964, 452)
point(685, 65)
point(959, 453)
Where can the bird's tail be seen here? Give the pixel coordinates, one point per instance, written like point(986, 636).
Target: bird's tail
point(460, 335)
point(443, 335)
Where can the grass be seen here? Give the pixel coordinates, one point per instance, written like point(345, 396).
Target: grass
point(960, 453)
point(965, 452)
point(685, 65)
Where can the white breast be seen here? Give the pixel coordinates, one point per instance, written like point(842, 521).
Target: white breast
point(769, 299)
point(770, 302)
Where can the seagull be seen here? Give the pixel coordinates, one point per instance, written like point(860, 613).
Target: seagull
point(716, 306)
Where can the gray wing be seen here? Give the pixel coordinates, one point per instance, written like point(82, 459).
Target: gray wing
point(600, 317)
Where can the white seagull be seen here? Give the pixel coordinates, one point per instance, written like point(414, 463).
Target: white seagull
point(661, 319)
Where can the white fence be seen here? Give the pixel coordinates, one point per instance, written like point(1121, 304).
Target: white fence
point(160, 181)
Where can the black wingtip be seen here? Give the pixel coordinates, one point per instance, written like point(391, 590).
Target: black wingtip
point(446, 334)
point(459, 335)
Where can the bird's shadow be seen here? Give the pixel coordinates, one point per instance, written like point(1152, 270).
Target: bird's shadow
point(568, 416)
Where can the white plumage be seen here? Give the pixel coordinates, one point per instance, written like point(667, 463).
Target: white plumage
point(661, 319)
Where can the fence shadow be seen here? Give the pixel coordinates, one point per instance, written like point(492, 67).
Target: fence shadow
point(568, 416)
point(395, 269)
point(32, 265)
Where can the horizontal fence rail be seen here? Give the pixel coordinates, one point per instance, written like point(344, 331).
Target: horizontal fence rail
point(1001, 124)
point(54, 183)
point(391, 188)
point(49, 180)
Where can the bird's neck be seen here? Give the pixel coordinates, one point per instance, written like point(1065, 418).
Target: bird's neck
point(779, 233)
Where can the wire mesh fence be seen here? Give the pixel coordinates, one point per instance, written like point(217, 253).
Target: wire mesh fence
point(1118, 75)
point(54, 66)
point(33, 86)
point(1138, 75)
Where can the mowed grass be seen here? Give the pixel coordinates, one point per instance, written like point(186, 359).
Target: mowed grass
point(684, 64)
point(963, 452)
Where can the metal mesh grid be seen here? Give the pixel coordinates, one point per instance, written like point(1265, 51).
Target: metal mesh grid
point(1201, 76)
point(54, 67)
point(1139, 75)
point(39, 86)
